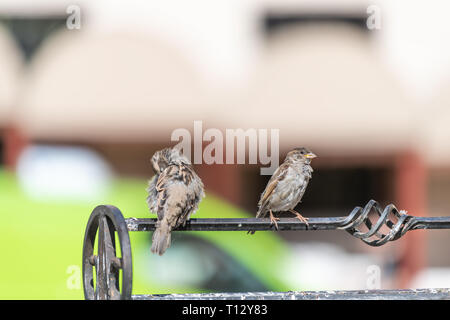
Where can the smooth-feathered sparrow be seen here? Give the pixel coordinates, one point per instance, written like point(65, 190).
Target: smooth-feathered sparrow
point(173, 194)
point(287, 185)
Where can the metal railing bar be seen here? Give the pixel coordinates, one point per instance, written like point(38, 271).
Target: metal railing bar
point(284, 224)
point(411, 294)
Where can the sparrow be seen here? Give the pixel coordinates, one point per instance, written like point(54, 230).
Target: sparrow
point(174, 193)
point(287, 185)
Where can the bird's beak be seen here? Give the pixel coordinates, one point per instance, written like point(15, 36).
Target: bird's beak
point(310, 155)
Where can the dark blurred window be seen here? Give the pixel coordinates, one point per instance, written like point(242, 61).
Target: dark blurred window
point(332, 191)
point(335, 191)
point(31, 32)
point(274, 22)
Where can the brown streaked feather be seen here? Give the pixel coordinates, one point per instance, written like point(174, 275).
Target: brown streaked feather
point(269, 190)
point(279, 175)
point(161, 180)
point(173, 194)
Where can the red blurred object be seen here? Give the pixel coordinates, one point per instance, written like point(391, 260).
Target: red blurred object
point(410, 190)
point(15, 142)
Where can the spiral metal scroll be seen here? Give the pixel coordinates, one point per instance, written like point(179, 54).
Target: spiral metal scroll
point(373, 237)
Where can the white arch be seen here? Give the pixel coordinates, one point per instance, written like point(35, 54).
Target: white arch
point(109, 86)
point(324, 86)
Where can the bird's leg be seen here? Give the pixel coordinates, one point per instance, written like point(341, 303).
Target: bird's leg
point(273, 220)
point(299, 216)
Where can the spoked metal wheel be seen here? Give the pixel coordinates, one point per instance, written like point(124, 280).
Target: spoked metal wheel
point(106, 221)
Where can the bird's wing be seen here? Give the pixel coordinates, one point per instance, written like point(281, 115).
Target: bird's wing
point(152, 197)
point(278, 176)
point(177, 204)
point(269, 189)
point(162, 192)
point(179, 192)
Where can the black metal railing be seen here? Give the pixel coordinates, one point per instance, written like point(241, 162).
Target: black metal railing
point(372, 224)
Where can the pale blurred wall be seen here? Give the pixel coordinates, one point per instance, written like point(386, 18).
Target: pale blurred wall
point(412, 37)
point(324, 86)
point(114, 86)
point(130, 88)
point(230, 54)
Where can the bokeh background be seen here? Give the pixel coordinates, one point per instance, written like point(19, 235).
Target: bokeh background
point(83, 110)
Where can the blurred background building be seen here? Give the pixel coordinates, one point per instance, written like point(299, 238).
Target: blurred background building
point(81, 108)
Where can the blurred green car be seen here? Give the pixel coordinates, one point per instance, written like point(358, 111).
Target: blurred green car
point(42, 248)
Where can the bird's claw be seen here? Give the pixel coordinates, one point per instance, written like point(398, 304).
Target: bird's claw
point(274, 220)
point(300, 217)
point(303, 219)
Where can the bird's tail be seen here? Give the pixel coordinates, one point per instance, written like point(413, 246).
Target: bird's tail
point(161, 237)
